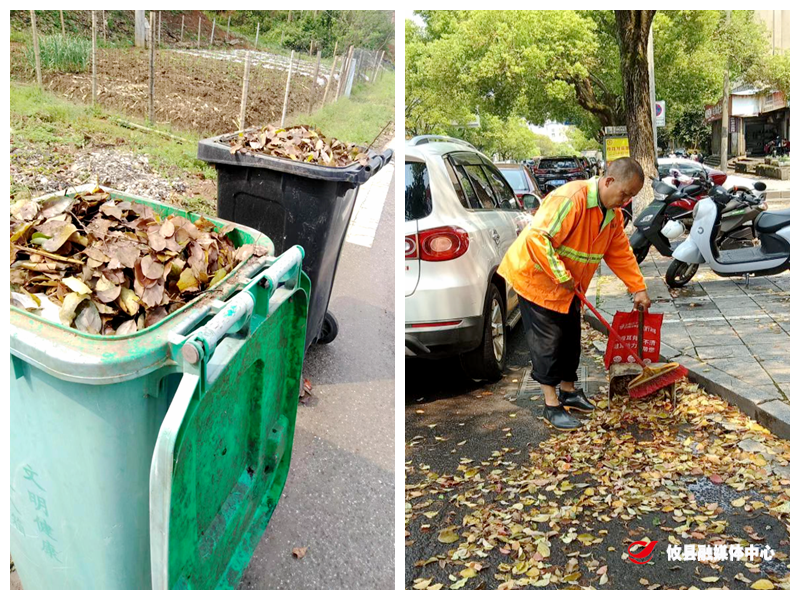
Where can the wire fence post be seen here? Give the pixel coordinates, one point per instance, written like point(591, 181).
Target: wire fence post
point(36, 49)
point(245, 86)
point(183, 21)
point(378, 67)
point(330, 78)
point(345, 74)
point(213, 27)
point(199, 22)
point(228, 35)
point(258, 27)
point(105, 28)
point(286, 95)
point(63, 29)
point(159, 28)
point(151, 109)
point(94, 57)
point(314, 82)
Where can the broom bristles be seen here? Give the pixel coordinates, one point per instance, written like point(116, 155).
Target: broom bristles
point(658, 381)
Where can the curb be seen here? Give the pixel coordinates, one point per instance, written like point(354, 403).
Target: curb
point(767, 410)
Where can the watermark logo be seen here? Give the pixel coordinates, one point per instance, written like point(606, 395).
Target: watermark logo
point(643, 556)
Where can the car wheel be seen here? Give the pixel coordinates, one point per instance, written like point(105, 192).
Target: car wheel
point(488, 360)
point(679, 273)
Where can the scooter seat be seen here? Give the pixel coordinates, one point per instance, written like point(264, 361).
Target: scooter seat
point(772, 221)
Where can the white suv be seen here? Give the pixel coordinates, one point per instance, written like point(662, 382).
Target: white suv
point(460, 218)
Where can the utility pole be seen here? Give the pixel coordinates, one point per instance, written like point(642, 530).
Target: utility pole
point(726, 94)
point(140, 29)
point(651, 75)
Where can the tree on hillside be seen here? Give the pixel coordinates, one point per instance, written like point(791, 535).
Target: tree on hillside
point(633, 28)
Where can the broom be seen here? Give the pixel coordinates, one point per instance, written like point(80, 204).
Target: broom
point(653, 377)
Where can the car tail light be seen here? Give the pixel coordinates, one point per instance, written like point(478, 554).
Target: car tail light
point(442, 243)
point(411, 247)
point(539, 171)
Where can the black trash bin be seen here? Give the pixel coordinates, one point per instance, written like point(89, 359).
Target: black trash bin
point(293, 202)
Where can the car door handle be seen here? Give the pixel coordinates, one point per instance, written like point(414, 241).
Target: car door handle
point(496, 237)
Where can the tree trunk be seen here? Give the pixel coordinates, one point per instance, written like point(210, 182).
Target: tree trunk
point(633, 27)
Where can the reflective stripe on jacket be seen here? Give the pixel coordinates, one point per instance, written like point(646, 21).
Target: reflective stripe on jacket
point(567, 240)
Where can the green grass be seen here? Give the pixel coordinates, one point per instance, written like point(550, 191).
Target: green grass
point(360, 118)
point(39, 117)
point(68, 54)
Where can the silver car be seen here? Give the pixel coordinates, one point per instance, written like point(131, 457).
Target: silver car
point(460, 218)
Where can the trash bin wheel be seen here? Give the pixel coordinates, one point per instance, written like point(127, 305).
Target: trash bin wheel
point(330, 329)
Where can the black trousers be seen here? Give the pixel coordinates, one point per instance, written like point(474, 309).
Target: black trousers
point(554, 340)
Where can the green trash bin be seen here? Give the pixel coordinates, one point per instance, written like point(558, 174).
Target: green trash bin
point(156, 459)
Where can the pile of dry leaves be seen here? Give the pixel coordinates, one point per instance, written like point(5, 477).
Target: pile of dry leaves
point(301, 143)
point(109, 267)
point(544, 521)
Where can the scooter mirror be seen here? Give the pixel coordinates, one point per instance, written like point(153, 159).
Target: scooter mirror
point(759, 186)
point(719, 193)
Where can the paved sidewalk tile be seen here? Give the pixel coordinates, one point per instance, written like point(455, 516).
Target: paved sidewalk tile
point(732, 334)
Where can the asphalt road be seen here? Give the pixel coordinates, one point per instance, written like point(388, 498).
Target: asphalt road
point(339, 498)
point(449, 417)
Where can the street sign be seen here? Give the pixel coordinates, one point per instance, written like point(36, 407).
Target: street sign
point(615, 130)
point(661, 113)
point(616, 147)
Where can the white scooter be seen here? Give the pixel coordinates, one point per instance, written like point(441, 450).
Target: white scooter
point(769, 255)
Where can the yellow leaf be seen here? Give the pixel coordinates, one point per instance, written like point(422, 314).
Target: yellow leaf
point(422, 584)
point(543, 549)
point(541, 518)
point(448, 536)
point(431, 514)
point(467, 573)
point(739, 502)
point(459, 584)
point(763, 584)
point(709, 579)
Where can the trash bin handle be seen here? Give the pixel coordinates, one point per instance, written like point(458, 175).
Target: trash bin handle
point(380, 160)
point(235, 314)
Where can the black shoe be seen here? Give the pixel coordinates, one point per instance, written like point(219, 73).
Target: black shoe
point(560, 419)
point(576, 400)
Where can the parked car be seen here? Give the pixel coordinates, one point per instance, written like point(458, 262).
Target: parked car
point(554, 171)
point(461, 216)
point(521, 181)
point(587, 168)
point(691, 168)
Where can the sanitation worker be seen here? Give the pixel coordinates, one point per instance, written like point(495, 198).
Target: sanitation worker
point(578, 225)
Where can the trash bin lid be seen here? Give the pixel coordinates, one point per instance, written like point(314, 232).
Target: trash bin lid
point(218, 150)
point(222, 455)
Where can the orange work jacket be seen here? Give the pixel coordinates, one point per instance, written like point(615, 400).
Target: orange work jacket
point(567, 239)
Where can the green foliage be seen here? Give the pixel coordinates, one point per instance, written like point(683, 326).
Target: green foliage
point(689, 130)
point(564, 65)
point(774, 74)
point(58, 53)
point(361, 117)
point(371, 29)
point(506, 139)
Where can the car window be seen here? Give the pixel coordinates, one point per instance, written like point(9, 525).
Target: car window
point(515, 178)
point(507, 200)
point(482, 186)
point(466, 186)
point(688, 169)
point(418, 191)
point(558, 163)
point(462, 186)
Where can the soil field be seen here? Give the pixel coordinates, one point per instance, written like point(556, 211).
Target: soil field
point(191, 92)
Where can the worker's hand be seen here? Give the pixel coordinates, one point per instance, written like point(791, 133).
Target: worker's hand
point(641, 299)
point(568, 285)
